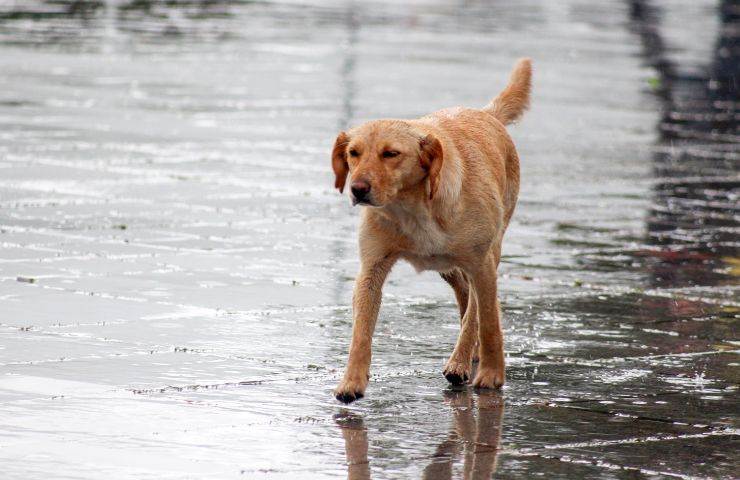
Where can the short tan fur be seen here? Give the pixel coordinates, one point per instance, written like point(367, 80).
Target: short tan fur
point(438, 192)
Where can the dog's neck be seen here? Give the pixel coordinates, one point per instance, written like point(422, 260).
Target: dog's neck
point(425, 230)
point(413, 210)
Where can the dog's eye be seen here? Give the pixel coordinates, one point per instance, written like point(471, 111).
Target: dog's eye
point(354, 153)
point(390, 153)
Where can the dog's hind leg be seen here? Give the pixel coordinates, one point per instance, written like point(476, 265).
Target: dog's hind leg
point(458, 282)
point(459, 366)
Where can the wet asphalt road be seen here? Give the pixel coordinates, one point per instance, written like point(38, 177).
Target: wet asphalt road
point(176, 269)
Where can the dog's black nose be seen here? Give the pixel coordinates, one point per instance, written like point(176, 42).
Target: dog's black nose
point(360, 190)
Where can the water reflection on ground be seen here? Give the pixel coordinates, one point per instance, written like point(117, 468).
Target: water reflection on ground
point(472, 443)
point(176, 269)
point(693, 220)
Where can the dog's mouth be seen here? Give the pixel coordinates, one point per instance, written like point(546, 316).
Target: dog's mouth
point(363, 202)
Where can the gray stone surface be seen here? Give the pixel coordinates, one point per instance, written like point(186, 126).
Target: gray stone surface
point(176, 269)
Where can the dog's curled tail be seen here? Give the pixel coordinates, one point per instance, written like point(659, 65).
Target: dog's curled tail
point(511, 103)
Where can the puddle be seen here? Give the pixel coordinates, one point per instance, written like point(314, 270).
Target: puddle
point(176, 269)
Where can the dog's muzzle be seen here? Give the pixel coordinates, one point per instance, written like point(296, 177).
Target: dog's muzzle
point(360, 193)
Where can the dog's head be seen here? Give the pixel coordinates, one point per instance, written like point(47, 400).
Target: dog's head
point(385, 157)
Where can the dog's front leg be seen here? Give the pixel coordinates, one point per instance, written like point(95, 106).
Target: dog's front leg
point(365, 306)
point(490, 336)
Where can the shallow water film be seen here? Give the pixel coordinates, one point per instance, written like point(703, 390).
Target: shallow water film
point(176, 268)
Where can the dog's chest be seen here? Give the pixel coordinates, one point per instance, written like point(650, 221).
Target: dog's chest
point(438, 263)
point(428, 244)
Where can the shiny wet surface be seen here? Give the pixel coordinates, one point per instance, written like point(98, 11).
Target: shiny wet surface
point(176, 269)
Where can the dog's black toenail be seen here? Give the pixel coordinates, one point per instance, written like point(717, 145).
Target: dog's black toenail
point(345, 397)
point(455, 379)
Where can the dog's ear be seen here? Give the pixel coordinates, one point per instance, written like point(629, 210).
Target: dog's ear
point(339, 161)
point(431, 159)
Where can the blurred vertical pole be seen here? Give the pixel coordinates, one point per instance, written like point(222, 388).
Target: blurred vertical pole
point(346, 115)
point(110, 29)
point(347, 74)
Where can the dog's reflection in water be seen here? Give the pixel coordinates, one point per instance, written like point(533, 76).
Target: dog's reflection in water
point(355, 444)
point(475, 433)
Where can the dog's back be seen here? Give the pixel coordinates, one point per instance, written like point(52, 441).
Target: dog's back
point(481, 139)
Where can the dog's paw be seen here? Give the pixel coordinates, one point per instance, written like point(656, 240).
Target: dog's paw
point(489, 378)
point(457, 372)
point(350, 390)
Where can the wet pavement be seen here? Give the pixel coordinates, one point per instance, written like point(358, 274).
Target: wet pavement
point(176, 268)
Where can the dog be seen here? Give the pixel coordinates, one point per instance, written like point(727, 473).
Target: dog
point(439, 192)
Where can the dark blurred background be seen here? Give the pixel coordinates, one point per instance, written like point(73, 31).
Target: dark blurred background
point(176, 268)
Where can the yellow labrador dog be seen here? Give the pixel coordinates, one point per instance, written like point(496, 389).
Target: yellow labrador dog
point(439, 192)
